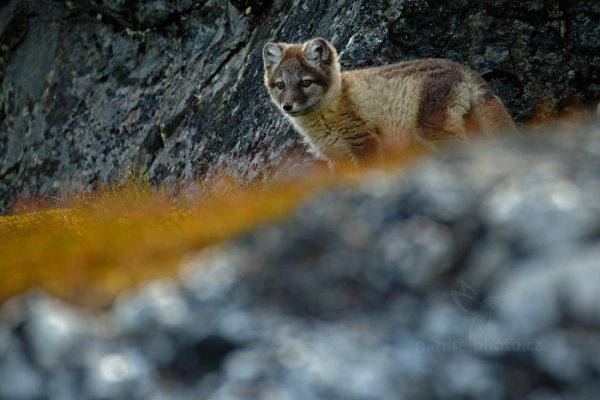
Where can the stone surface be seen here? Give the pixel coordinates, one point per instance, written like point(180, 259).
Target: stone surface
point(89, 88)
point(475, 274)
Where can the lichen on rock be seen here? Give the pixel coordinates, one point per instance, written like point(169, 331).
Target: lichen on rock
point(92, 87)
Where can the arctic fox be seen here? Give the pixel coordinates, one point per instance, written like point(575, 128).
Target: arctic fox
point(359, 114)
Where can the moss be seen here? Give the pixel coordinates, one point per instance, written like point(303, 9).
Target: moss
point(107, 241)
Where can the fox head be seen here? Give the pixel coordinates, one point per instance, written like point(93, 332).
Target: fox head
point(299, 77)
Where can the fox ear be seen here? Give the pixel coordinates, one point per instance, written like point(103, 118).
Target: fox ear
point(317, 51)
point(272, 54)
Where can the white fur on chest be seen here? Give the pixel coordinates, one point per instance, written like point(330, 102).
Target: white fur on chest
point(321, 131)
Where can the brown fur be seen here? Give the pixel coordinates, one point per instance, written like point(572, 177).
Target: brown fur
point(437, 92)
point(489, 115)
point(358, 114)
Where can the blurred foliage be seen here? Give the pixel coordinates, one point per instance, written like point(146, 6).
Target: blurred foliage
point(110, 240)
point(92, 251)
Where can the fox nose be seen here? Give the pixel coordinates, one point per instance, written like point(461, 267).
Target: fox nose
point(287, 107)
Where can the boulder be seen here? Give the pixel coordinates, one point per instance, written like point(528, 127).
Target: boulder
point(475, 274)
point(91, 88)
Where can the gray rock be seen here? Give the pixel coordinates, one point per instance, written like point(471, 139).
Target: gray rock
point(90, 88)
point(20, 380)
point(473, 274)
point(54, 332)
point(118, 375)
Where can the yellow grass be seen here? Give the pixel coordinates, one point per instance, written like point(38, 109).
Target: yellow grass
point(114, 239)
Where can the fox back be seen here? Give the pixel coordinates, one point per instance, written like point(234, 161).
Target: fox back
point(361, 113)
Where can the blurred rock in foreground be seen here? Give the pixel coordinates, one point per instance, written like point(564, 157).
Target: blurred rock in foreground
point(476, 274)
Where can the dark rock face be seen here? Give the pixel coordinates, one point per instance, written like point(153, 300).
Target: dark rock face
point(90, 87)
point(531, 52)
point(476, 274)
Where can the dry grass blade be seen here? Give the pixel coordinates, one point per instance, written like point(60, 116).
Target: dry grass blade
point(111, 240)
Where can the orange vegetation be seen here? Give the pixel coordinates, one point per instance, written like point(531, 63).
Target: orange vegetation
point(114, 239)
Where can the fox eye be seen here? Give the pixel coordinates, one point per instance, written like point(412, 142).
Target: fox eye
point(306, 83)
point(280, 85)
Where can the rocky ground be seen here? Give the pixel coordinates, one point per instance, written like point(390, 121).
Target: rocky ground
point(90, 87)
point(475, 274)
